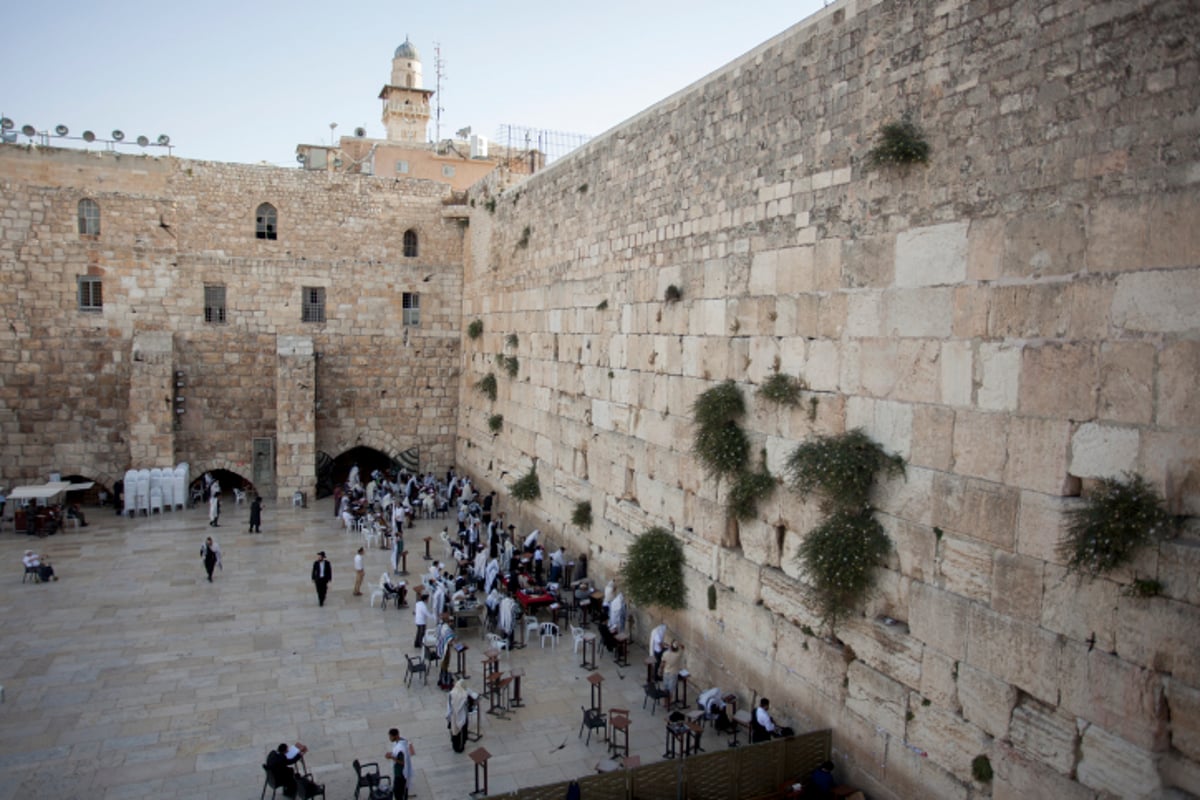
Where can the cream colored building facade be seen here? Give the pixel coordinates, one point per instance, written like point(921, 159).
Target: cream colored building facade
point(1017, 319)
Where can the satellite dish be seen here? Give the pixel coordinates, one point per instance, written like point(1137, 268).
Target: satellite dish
point(28, 130)
point(118, 135)
point(61, 130)
point(360, 132)
point(300, 157)
point(143, 141)
point(89, 137)
point(163, 139)
point(6, 124)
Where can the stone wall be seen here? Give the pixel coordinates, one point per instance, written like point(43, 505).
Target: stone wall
point(93, 393)
point(1015, 319)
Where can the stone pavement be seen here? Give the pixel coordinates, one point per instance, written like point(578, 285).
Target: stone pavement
point(132, 677)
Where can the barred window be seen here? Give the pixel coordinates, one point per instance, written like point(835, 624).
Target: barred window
point(89, 218)
point(214, 304)
point(91, 298)
point(314, 304)
point(266, 221)
point(410, 244)
point(402, 167)
point(412, 308)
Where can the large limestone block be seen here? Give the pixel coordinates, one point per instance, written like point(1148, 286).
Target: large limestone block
point(924, 313)
point(939, 683)
point(1184, 703)
point(965, 567)
point(1047, 241)
point(1158, 302)
point(878, 698)
point(794, 271)
point(1059, 380)
point(1180, 773)
point(980, 444)
point(1171, 459)
point(1103, 451)
point(1017, 586)
point(957, 373)
point(986, 700)
point(907, 496)
point(1108, 763)
point(999, 376)
point(1037, 311)
point(784, 595)
point(1178, 401)
point(935, 255)
point(932, 437)
point(831, 315)
point(915, 547)
point(868, 262)
point(939, 618)
point(759, 542)
point(985, 249)
point(980, 509)
point(1041, 525)
point(1080, 608)
point(918, 377)
point(1014, 651)
point(950, 740)
point(820, 664)
point(1123, 698)
point(1037, 454)
point(1178, 568)
point(1127, 382)
point(1161, 634)
point(887, 648)
point(913, 772)
point(864, 315)
point(1128, 233)
point(1020, 777)
point(1044, 734)
point(821, 366)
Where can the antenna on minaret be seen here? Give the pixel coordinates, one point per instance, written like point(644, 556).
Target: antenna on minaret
point(439, 67)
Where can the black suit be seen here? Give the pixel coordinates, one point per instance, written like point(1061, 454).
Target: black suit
point(281, 769)
point(322, 574)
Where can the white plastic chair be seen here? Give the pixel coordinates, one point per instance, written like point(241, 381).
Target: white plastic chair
point(549, 630)
point(577, 637)
point(497, 641)
point(156, 500)
point(532, 625)
point(239, 497)
point(370, 538)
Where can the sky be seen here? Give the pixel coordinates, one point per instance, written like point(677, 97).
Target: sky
point(247, 81)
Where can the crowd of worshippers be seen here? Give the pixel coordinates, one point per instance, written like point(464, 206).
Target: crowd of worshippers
point(393, 501)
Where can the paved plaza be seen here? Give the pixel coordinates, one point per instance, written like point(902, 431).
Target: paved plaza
point(133, 677)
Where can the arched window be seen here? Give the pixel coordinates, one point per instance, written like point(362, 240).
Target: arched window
point(89, 217)
point(410, 244)
point(266, 220)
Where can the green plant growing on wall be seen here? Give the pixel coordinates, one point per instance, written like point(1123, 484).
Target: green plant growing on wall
point(712, 597)
point(749, 489)
point(981, 769)
point(840, 555)
point(673, 294)
point(527, 487)
point(496, 423)
point(511, 341)
point(487, 386)
point(490, 205)
point(720, 443)
point(524, 240)
point(899, 143)
point(602, 305)
point(475, 329)
point(582, 515)
point(1144, 587)
point(510, 364)
point(1117, 517)
point(841, 469)
point(653, 570)
point(782, 388)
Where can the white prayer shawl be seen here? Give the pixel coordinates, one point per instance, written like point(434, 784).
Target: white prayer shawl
point(480, 562)
point(456, 707)
point(492, 572)
point(616, 614)
point(439, 601)
point(506, 557)
point(507, 615)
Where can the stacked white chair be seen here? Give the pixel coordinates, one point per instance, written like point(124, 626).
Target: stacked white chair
point(143, 491)
point(180, 493)
point(130, 492)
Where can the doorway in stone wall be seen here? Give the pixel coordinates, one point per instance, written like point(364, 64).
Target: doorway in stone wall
point(368, 459)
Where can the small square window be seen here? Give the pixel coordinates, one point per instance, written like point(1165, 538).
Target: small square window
point(412, 308)
point(89, 218)
point(314, 304)
point(402, 167)
point(91, 298)
point(214, 304)
point(447, 171)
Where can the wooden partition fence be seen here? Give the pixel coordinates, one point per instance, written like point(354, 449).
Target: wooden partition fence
point(738, 773)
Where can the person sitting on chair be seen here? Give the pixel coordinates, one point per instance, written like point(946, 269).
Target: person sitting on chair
point(74, 512)
point(40, 564)
point(762, 726)
point(279, 764)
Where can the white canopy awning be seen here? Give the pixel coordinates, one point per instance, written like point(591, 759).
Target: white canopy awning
point(45, 491)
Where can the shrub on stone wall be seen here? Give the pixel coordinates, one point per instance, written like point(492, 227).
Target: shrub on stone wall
point(487, 386)
point(582, 515)
point(841, 469)
point(782, 388)
point(495, 423)
point(475, 329)
point(527, 487)
point(899, 143)
point(749, 489)
point(1115, 519)
point(653, 570)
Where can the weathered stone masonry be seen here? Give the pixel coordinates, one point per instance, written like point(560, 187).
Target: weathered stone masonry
point(1015, 319)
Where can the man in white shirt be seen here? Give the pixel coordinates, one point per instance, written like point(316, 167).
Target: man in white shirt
point(531, 540)
point(658, 644)
point(420, 616)
point(401, 757)
point(359, 572)
point(764, 727)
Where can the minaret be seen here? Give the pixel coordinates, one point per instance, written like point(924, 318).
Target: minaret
point(405, 103)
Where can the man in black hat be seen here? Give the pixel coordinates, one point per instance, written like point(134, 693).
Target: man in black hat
point(322, 574)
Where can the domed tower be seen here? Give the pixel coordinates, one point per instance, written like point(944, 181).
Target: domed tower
point(405, 103)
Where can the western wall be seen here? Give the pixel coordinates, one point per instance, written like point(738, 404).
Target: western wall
point(1016, 320)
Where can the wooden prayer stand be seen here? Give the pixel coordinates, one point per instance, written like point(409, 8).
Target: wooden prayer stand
point(622, 655)
point(588, 645)
point(650, 676)
point(480, 758)
point(462, 649)
point(681, 690)
point(516, 674)
point(596, 679)
point(428, 539)
point(404, 562)
point(478, 734)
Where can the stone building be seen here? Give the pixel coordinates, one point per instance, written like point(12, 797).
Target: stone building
point(1016, 319)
